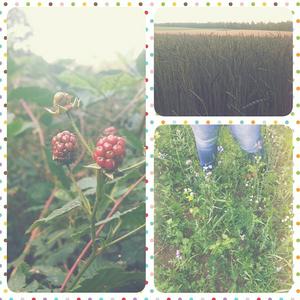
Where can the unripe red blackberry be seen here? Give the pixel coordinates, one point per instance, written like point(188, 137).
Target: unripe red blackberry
point(109, 152)
point(64, 147)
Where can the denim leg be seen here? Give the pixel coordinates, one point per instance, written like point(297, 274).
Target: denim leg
point(206, 142)
point(248, 137)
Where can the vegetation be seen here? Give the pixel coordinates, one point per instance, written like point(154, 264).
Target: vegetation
point(228, 232)
point(280, 26)
point(217, 75)
point(74, 227)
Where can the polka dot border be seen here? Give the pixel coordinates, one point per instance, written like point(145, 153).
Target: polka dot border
point(148, 8)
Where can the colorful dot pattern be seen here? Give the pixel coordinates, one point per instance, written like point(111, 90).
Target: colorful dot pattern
point(148, 8)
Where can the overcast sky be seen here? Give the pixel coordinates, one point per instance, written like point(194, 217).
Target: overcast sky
point(224, 14)
point(88, 35)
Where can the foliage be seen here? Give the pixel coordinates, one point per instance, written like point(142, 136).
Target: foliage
point(228, 232)
point(43, 244)
point(211, 74)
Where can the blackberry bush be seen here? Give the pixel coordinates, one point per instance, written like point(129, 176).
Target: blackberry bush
point(84, 190)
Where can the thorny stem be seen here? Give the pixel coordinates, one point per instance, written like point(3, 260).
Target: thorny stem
point(84, 202)
point(39, 131)
point(83, 141)
point(100, 250)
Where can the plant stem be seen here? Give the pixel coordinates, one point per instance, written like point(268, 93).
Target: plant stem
point(40, 134)
point(119, 239)
point(136, 165)
point(100, 191)
point(83, 141)
point(99, 230)
point(100, 250)
point(84, 201)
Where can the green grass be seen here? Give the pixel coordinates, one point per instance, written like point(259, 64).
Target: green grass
point(223, 75)
point(233, 230)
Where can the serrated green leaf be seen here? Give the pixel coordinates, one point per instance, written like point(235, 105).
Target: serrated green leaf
point(34, 94)
point(57, 170)
point(17, 282)
point(116, 82)
point(87, 182)
point(17, 127)
point(134, 218)
point(115, 216)
point(54, 275)
point(55, 214)
point(132, 140)
point(112, 280)
point(63, 195)
point(134, 255)
point(32, 287)
point(76, 81)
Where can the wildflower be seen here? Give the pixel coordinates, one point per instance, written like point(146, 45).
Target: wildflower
point(188, 162)
point(178, 254)
point(220, 149)
point(242, 236)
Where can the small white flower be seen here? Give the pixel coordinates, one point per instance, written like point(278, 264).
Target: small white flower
point(278, 269)
point(188, 162)
point(242, 236)
point(220, 149)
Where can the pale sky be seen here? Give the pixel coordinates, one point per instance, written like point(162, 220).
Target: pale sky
point(91, 36)
point(222, 14)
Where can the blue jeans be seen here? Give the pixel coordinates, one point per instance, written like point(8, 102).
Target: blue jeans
point(248, 137)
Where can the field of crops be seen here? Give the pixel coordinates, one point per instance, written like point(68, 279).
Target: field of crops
point(223, 75)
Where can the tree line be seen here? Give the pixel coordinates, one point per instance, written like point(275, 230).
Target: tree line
point(280, 26)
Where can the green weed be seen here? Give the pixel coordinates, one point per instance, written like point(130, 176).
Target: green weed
point(231, 231)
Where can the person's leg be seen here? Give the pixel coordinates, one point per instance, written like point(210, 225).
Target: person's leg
point(206, 142)
point(248, 137)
